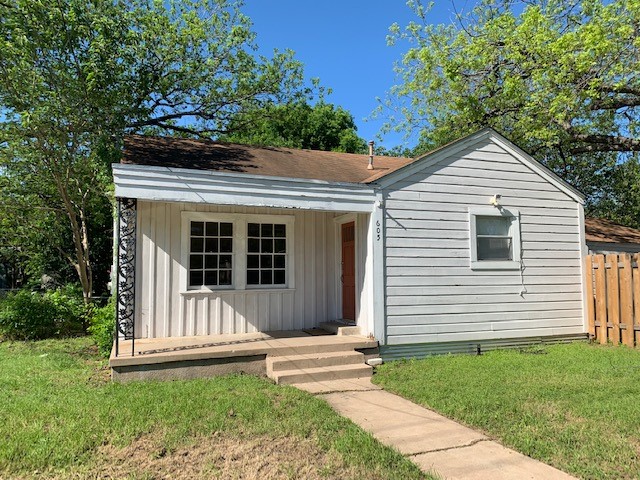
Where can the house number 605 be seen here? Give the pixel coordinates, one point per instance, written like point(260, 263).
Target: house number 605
point(378, 229)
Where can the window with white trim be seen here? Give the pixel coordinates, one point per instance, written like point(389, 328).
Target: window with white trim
point(223, 251)
point(266, 254)
point(494, 238)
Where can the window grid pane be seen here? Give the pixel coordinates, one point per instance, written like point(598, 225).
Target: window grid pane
point(210, 254)
point(495, 248)
point(267, 254)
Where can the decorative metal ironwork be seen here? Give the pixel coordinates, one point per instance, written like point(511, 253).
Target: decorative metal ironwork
point(126, 275)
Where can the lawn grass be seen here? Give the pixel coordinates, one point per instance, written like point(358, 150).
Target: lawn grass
point(58, 408)
point(574, 406)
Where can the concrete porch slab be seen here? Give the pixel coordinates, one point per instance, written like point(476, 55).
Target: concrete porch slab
point(150, 351)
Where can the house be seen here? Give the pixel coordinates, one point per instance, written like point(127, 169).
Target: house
point(604, 236)
point(473, 245)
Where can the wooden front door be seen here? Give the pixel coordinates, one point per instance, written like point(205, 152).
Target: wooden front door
point(348, 271)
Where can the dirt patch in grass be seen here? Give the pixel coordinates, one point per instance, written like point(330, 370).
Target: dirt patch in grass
point(219, 456)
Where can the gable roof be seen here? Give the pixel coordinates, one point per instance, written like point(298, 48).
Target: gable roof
point(449, 149)
point(266, 161)
point(605, 231)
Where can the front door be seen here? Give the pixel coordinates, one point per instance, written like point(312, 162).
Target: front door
point(348, 271)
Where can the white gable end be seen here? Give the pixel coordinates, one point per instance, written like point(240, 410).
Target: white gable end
point(496, 154)
point(438, 289)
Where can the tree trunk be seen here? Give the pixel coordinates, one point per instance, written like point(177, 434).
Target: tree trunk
point(82, 262)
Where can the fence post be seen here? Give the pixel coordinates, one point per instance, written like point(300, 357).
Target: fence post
point(613, 298)
point(601, 298)
point(626, 301)
point(636, 292)
point(591, 313)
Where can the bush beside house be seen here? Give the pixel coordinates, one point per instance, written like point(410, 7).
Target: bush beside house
point(102, 325)
point(33, 315)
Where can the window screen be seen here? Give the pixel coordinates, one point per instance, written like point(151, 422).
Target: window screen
point(210, 254)
point(493, 238)
point(266, 254)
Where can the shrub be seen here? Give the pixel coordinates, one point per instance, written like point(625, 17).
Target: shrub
point(27, 315)
point(102, 326)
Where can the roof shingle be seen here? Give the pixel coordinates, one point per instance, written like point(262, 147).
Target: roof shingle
point(605, 231)
point(267, 161)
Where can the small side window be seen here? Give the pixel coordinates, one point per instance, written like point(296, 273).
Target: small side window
point(494, 236)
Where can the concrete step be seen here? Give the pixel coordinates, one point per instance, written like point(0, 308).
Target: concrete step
point(323, 359)
point(339, 328)
point(325, 346)
point(319, 374)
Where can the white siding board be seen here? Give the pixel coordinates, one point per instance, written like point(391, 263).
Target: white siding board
point(489, 288)
point(426, 233)
point(432, 295)
point(423, 250)
point(417, 225)
point(399, 205)
point(427, 309)
point(478, 299)
point(486, 326)
point(479, 174)
point(407, 266)
point(463, 234)
point(486, 190)
point(143, 239)
point(485, 335)
point(515, 201)
point(451, 213)
point(428, 243)
point(465, 281)
point(420, 323)
point(470, 180)
point(168, 271)
point(545, 229)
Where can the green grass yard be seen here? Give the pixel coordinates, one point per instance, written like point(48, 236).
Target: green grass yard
point(61, 417)
point(574, 406)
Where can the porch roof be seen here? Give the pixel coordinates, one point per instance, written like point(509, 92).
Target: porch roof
point(165, 184)
point(262, 161)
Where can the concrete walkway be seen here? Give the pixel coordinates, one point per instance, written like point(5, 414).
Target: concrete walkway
point(437, 444)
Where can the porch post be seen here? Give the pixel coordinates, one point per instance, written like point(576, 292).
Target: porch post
point(379, 310)
point(125, 271)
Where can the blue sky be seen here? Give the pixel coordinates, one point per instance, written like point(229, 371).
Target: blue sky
point(344, 44)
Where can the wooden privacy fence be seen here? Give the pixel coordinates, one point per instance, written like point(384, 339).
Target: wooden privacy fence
point(613, 298)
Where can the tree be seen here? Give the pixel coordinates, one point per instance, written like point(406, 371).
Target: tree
point(75, 75)
point(322, 126)
point(561, 79)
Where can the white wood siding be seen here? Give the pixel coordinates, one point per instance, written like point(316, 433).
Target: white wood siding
point(432, 295)
point(164, 309)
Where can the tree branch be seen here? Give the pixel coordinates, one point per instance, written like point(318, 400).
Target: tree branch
point(604, 143)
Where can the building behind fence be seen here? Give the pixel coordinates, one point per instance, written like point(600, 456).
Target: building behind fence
point(613, 298)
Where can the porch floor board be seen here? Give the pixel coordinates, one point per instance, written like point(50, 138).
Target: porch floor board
point(150, 351)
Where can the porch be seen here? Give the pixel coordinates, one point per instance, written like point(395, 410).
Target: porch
point(291, 357)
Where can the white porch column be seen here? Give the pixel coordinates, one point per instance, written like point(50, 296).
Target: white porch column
point(376, 232)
